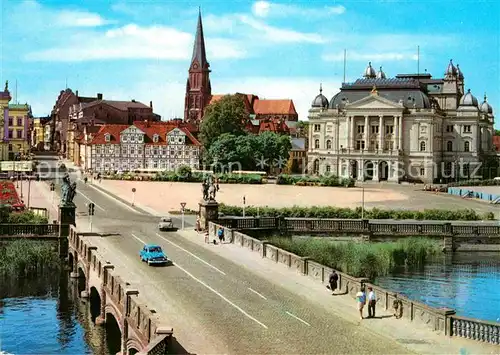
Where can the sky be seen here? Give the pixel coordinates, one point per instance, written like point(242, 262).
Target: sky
point(142, 49)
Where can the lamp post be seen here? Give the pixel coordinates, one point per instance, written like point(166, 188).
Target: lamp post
point(133, 195)
point(244, 203)
point(52, 189)
point(29, 190)
point(183, 205)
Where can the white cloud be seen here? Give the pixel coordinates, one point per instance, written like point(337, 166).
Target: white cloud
point(79, 19)
point(275, 34)
point(135, 42)
point(267, 9)
point(366, 57)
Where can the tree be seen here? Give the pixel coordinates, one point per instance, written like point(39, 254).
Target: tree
point(272, 150)
point(227, 115)
point(497, 132)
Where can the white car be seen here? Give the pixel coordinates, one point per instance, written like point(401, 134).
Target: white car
point(166, 224)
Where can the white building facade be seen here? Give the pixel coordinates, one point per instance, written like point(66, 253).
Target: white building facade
point(152, 146)
point(408, 128)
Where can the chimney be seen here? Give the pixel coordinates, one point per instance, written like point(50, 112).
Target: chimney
point(99, 96)
point(151, 104)
point(76, 93)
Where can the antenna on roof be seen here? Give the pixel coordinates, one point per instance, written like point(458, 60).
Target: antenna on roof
point(345, 55)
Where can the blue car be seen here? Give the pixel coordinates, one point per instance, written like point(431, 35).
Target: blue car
point(153, 254)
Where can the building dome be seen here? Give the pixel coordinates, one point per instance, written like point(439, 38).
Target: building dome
point(370, 72)
point(485, 106)
point(451, 70)
point(320, 100)
point(381, 74)
point(468, 100)
point(459, 73)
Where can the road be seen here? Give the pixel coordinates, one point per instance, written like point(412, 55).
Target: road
point(213, 304)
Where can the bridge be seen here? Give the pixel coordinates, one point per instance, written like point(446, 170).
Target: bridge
point(114, 300)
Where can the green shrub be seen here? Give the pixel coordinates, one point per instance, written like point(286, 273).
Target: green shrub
point(200, 177)
point(489, 182)
point(362, 259)
point(350, 213)
point(25, 217)
point(332, 181)
point(27, 256)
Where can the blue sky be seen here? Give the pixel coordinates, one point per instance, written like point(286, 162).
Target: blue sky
point(141, 49)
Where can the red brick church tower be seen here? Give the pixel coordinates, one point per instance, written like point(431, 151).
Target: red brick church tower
point(198, 88)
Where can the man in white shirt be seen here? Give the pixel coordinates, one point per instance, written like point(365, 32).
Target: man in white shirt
point(372, 300)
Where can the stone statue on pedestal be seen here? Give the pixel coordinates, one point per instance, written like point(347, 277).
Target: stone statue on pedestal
point(68, 191)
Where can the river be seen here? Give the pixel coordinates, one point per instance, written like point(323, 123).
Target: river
point(43, 315)
point(466, 282)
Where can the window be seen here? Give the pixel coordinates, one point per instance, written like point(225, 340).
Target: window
point(139, 150)
point(10, 147)
point(316, 144)
point(172, 153)
point(317, 128)
point(19, 133)
point(360, 145)
point(155, 165)
point(125, 138)
point(132, 150)
point(328, 168)
point(389, 129)
point(375, 129)
point(328, 144)
point(449, 146)
point(107, 137)
point(155, 138)
point(155, 151)
point(164, 151)
point(467, 147)
point(422, 171)
point(20, 122)
point(140, 138)
point(11, 121)
point(11, 133)
point(124, 150)
point(361, 129)
point(422, 146)
point(98, 149)
point(467, 129)
point(449, 128)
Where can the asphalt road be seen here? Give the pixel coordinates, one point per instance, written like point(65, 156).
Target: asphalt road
point(236, 308)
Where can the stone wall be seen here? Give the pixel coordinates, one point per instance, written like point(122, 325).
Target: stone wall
point(441, 320)
point(146, 333)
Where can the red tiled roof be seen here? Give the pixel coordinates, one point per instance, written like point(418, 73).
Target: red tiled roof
point(280, 107)
point(149, 128)
point(496, 142)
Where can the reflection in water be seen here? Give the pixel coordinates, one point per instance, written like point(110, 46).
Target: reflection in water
point(467, 283)
point(44, 315)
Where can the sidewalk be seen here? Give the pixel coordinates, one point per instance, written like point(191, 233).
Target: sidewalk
point(413, 336)
point(39, 196)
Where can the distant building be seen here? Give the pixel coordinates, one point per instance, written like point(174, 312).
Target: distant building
point(147, 145)
point(408, 127)
point(15, 127)
point(37, 132)
point(263, 115)
point(496, 143)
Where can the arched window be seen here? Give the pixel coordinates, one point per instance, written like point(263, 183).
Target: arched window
point(328, 144)
point(107, 137)
point(449, 146)
point(467, 146)
point(316, 144)
point(422, 146)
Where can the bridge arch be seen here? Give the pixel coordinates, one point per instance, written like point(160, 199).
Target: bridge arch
point(109, 309)
point(71, 260)
point(114, 331)
point(133, 346)
point(95, 303)
point(82, 277)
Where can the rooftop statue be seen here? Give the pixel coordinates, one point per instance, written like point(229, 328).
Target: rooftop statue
point(68, 191)
point(6, 85)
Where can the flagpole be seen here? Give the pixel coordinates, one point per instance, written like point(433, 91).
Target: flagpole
point(345, 55)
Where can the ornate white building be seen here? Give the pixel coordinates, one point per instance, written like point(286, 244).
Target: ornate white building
point(143, 145)
point(411, 127)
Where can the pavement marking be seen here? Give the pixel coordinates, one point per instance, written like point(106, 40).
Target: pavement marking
point(194, 256)
point(88, 199)
point(114, 199)
point(258, 294)
point(221, 296)
point(139, 239)
point(299, 319)
point(211, 289)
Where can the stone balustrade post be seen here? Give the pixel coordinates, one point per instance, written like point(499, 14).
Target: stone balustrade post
point(101, 318)
point(124, 319)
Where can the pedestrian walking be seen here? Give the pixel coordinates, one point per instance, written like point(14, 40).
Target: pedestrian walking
point(198, 224)
point(372, 301)
point(220, 234)
point(333, 280)
point(361, 300)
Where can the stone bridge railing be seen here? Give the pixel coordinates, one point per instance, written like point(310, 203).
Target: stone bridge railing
point(41, 230)
point(443, 320)
point(140, 326)
point(454, 236)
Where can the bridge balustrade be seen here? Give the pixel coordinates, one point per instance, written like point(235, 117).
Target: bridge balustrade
point(29, 229)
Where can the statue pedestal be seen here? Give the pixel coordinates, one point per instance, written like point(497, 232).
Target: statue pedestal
point(67, 217)
point(209, 212)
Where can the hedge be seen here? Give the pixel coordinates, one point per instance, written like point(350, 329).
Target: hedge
point(490, 182)
point(362, 259)
point(24, 217)
point(332, 181)
point(189, 177)
point(355, 213)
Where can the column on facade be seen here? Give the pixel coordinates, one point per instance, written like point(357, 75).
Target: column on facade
point(361, 169)
point(367, 132)
point(400, 132)
point(395, 133)
point(351, 132)
point(381, 132)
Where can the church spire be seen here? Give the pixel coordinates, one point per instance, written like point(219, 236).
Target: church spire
point(199, 53)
